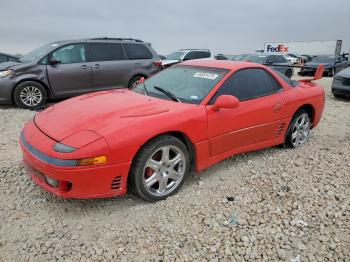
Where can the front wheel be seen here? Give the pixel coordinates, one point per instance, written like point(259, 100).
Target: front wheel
point(160, 168)
point(30, 95)
point(298, 130)
point(331, 72)
point(289, 73)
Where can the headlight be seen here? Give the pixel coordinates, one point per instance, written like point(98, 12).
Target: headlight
point(6, 73)
point(61, 148)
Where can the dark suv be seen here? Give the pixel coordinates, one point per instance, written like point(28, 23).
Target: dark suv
point(70, 68)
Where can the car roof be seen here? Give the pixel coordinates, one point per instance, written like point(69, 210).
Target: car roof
point(222, 64)
point(7, 55)
point(99, 39)
point(189, 49)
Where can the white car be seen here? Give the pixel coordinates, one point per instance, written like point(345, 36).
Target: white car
point(190, 54)
point(294, 60)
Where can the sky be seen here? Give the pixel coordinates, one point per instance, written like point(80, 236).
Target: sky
point(224, 26)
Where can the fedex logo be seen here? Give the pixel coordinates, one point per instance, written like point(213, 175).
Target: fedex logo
point(277, 49)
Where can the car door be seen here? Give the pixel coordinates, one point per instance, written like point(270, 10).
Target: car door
point(256, 120)
point(110, 68)
point(68, 71)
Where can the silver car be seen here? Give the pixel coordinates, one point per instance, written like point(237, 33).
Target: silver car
point(70, 68)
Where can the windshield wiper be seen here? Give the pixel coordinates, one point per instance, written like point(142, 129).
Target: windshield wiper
point(168, 93)
point(144, 88)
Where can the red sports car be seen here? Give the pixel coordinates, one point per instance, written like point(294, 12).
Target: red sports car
point(189, 116)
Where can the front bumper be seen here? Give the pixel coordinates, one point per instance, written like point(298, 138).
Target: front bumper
point(6, 86)
point(72, 182)
point(341, 86)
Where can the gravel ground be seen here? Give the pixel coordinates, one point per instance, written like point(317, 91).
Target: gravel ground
point(274, 204)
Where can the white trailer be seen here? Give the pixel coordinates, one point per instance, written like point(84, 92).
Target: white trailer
point(329, 47)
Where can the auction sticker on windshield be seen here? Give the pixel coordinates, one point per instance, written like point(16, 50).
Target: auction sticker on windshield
point(206, 75)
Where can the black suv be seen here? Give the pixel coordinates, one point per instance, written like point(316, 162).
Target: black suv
point(70, 68)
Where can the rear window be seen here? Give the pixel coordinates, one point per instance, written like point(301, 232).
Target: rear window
point(106, 52)
point(137, 51)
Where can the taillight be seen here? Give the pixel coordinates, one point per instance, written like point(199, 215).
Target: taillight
point(158, 63)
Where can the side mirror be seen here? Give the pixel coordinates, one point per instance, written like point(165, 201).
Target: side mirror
point(225, 101)
point(54, 61)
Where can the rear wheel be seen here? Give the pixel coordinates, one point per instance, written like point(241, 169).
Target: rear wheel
point(160, 168)
point(298, 130)
point(30, 95)
point(134, 81)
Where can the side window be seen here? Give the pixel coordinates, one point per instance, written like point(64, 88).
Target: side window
point(70, 54)
point(269, 59)
point(137, 51)
point(280, 59)
point(190, 56)
point(202, 54)
point(106, 52)
point(249, 84)
point(3, 58)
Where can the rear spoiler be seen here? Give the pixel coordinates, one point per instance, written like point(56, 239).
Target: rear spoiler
point(318, 74)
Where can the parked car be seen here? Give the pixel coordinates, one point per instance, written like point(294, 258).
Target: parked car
point(190, 54)
point(292, 58)
point(306, 58)
point(70, 68)
point(341, 84)
point(298, 58)
point(7, 58)
point(332, 65)
point(189, 116)
point(277, 62)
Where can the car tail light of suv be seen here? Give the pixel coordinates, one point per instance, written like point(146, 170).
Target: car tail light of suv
point(158, 63)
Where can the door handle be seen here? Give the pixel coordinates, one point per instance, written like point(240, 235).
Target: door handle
point(84, 67)
point(96, 66)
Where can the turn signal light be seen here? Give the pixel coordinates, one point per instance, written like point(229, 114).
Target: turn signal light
point(92, 161)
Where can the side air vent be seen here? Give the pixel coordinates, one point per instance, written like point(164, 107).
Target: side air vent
point(116, 183)
point(280, 129)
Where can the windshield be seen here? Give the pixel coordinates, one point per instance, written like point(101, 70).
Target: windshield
point(255, 58)
point(37, 53)
point(190, 84)
point(175, 56)
point(323, 59)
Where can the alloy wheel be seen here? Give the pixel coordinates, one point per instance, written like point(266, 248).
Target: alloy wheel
point(31, 96)
point(301, 130)
point(164, 170)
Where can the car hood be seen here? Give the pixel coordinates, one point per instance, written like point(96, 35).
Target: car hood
point(8, 65)
point(97, 111)
point(345, 73)
point(315, 65)
point(169, 62)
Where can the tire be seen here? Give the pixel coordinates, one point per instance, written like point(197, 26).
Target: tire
point(331, 72)
point(30, 95)
point(152, 176)
point(134, 81)
point(339, 96)
point(289, 73)
point(298, 133)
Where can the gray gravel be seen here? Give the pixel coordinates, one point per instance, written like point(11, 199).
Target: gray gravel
point(274, 204)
